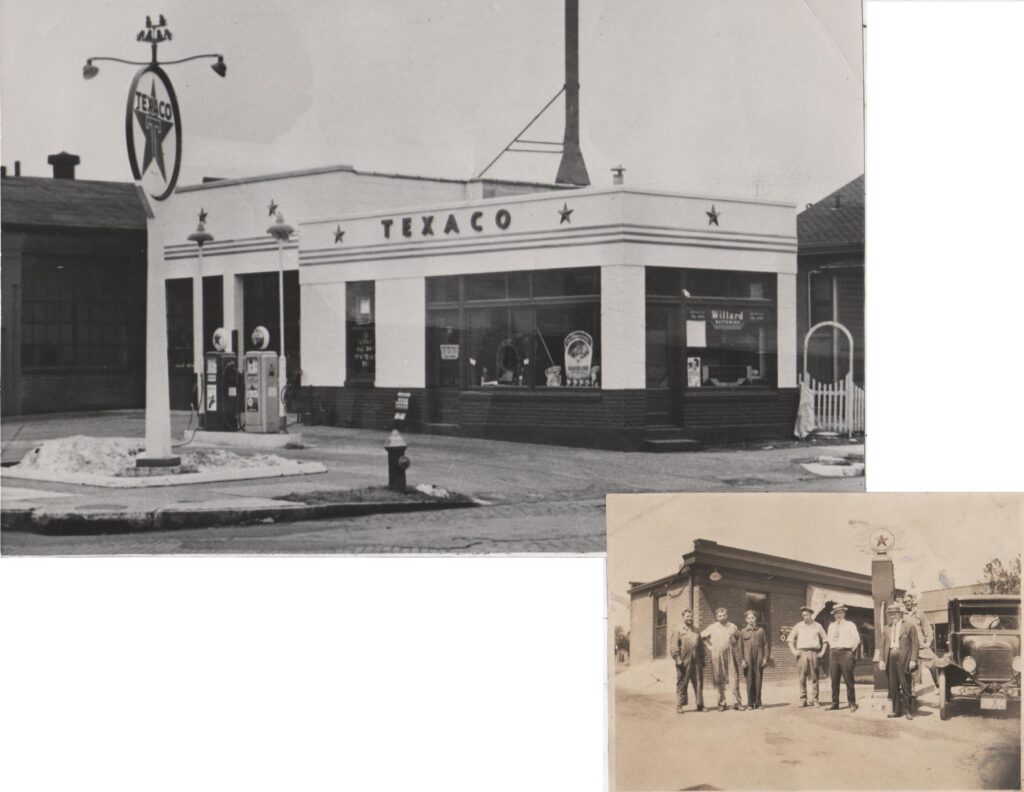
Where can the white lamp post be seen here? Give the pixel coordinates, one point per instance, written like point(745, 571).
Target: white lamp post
point(201, 236)
point(281, 231)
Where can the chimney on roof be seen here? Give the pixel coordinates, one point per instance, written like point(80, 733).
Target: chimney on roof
point(838, 202)
point(17, 167)
point(572, 170)
point(63, 164)
point(3, 171)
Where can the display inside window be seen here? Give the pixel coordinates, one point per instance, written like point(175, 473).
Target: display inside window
point(729, 346)
point(516, 329)
point(360, 331)
point(710, 328)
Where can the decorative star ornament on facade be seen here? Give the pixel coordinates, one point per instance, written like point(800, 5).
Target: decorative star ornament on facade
point(338, 235)
point(202, 215)
point(155, 128)
point(565, 213)
point(712, 216)
point(271, 208)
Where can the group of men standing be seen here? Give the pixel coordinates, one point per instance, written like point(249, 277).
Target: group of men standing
point(732, 650)
point(722, 640)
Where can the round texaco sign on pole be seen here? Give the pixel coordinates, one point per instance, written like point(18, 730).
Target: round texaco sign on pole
point(882, 541)
point(153, 132)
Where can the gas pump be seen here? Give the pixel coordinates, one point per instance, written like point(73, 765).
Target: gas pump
point(220, 388)
point(261, 394)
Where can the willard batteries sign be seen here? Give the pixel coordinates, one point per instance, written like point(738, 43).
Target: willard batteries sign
point(153, 132)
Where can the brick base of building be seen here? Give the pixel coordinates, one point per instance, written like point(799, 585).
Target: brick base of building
point(585, 418)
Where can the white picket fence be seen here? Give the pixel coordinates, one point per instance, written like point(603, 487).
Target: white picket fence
point(838, 406)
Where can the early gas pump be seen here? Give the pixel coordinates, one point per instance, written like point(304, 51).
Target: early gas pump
point(220, 387)
point(261, 386)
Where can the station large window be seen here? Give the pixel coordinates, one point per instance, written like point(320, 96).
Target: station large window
point(81, 312)
point(710, 328)
point(515, 329)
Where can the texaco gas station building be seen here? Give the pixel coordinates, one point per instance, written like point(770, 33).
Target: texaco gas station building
point(611, 317)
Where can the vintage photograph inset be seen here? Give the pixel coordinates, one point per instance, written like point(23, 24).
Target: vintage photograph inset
point(375, 277)
point(814, 641)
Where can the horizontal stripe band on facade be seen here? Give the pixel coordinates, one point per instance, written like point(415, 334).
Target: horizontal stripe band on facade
point(309, 258)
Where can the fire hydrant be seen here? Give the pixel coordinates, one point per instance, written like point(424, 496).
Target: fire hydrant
point(398, 462)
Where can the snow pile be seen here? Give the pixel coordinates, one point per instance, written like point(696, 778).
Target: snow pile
point(102, 456)
point(433, 491)
point(109, 456)
point(219, 459)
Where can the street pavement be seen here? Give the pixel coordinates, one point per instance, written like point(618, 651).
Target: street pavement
point(784, 746)
point(539, 498)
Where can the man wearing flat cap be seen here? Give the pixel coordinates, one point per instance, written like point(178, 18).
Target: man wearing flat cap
point(807, 641)
point(843, 640)
point(899, 658)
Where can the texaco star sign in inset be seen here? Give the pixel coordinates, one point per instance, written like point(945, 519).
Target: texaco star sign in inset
point(882, 541)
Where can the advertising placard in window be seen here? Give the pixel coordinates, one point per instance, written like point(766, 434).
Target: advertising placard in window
point(579, 350)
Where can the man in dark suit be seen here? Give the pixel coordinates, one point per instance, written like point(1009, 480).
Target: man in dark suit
point(899, 658)
point(687, 650)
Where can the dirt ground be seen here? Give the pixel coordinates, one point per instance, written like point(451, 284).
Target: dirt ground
point(784, 746)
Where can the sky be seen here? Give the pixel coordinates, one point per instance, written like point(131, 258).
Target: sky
point(717, 97)
point(955, 535)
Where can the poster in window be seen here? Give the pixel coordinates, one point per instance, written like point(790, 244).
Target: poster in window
point(696, 333)
point(449, 351)
point(693, 372)
point(364, 351)
point(579, 352)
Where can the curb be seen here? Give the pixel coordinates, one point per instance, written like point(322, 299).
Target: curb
point(37, 521)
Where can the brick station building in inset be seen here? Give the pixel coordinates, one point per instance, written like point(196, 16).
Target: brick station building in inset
point(774, 587)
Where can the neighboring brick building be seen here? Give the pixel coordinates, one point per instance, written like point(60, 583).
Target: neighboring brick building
point(74, 285)
point(830, 281)
point(713, 576)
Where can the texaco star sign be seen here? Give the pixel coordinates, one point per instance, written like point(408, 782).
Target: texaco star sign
point(882, 541)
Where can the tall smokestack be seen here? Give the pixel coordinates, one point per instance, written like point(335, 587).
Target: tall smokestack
point(572, 170)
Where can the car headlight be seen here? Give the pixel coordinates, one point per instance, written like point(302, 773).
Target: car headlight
point(970, 664)
point(1016, 664)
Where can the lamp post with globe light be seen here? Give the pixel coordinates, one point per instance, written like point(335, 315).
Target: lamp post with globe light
point(153, 118)
point(282, 232)
point(200, 236)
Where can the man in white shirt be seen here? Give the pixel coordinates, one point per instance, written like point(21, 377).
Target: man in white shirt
point(807, 641)
point(843, 640)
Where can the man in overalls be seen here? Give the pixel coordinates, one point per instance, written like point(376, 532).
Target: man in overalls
point(687, 650)
point(722, 637)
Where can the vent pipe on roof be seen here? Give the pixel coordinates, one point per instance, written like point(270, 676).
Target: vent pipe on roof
point(572, 169)
point(63, 164)
point(17, 167)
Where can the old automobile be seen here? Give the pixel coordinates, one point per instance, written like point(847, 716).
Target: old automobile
point(981, 656)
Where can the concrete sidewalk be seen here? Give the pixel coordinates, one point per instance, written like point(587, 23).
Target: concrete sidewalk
point(498, 473)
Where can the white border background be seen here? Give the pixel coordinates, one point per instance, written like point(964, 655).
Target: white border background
point(469, 674)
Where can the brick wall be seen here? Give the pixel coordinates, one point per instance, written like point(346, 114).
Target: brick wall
point(593, 419)
point(738, 414)
point(364, 408)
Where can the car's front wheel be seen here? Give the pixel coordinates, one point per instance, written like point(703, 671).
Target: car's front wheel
point(944, 703)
